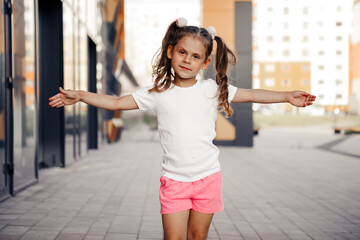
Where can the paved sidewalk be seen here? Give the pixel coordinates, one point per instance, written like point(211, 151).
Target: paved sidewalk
point(285, 187)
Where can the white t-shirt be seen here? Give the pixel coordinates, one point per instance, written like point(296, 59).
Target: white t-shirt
point(186, 125)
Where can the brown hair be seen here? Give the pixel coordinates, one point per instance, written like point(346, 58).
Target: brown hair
point(163, 73)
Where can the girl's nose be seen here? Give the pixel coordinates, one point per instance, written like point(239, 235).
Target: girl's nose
point(187, 59)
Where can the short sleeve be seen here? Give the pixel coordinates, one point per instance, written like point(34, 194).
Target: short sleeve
point(145, 100)
point(232, 90)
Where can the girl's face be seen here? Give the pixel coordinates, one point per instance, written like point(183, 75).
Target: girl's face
point(188, 58)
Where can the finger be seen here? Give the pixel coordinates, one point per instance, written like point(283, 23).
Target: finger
point(55, 96)
point(301, 93)
point(58, 104)
point(61, 89)
point(310, 98)
point(55, 101)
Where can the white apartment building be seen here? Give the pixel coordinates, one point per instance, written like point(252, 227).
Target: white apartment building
point(314, 31)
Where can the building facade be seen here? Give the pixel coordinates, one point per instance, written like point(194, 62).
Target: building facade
point(354, 73)
point(76, 44)
point(303, 45)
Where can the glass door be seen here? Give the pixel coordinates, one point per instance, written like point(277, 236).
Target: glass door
point(24, 93)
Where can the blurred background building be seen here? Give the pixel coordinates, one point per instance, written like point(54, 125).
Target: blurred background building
point(77, 44)
point(107, 46)
point(354, 90)
point(304, 45)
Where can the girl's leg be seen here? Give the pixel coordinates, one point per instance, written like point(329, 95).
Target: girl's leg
point(175, 225)
point(199, 224)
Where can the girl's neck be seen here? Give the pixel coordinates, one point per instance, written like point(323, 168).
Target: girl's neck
point(184, 82)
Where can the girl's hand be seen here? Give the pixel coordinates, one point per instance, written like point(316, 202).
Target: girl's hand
point(300, 98)
point(65, 97)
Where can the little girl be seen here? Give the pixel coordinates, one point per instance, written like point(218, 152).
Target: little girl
point(186, 108)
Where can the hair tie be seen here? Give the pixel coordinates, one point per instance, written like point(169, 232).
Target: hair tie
point(181, 22)
point(212, 31)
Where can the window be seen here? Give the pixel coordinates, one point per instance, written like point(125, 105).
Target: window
point(321, 38)
point(286, 25)
point(286, 82)
point(305, 25)
point(286, 38)
point(270, 9)
point(321, 53)
point(338, 67)
point(338, 24)
point(305, 67)
point(338, 8)
point(269, 82)
point(269, 67)
point(29, 68)
point(338, 82)
point(256, 83)
point(338, 38)
point(286, 67)
point(321, 96)
point(269, 53)
point(286, 11)
point(255, 40)
point(255, 54)
point(305, 39)
point(321, 67)
point(305, 11)
point(338, 53)
point(338, 96)
point(286, 53)
point(320, 24)
point(305, 82)
point(305, 53)
point(256, 69)
point(269, 24)
point(269, 38)
point(321, 82)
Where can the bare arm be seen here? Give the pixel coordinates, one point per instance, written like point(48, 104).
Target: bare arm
point(69, 97)
point(296, 98)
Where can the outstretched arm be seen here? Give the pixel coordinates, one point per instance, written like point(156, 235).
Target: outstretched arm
point(296, 98)
point(69, 97)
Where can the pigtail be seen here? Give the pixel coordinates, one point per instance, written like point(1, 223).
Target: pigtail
point(161, 64)
point(224, 56)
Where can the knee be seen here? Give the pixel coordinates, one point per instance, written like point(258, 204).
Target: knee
point(197, 234)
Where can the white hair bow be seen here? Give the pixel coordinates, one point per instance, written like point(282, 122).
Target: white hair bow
point(212, 31)
point(181, 22)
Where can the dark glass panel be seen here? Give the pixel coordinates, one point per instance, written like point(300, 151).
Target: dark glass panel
point(24, 93)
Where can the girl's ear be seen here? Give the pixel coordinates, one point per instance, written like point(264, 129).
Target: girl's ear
point(206, 64)
point(169, 52)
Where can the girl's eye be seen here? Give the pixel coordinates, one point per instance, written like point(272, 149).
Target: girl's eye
point(181, 52)
point(197, 57)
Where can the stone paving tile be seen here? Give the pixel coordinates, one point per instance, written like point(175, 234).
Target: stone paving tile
point(17, 231)
point(70, 236)
point(91, 237)
point(75, 230)
point(270, 192)
point(10, 237)
point(34, 234)
point(112, 236)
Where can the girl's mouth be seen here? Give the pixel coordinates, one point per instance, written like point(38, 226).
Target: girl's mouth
point(185, 68)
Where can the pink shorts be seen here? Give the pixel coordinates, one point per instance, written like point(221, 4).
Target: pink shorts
point(204, 195)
